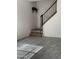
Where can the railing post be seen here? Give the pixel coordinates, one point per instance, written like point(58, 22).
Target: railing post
point(41, 20)
point(41, 23)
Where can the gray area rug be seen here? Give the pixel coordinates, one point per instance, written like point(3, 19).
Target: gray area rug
point(26, 51)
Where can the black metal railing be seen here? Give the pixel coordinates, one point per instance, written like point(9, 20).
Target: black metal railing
point(50, 12)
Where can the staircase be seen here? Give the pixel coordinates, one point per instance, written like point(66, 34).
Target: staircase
point(50, 12)
point(37, 32)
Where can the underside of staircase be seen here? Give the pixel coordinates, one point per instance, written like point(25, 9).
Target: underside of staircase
point(37, 32)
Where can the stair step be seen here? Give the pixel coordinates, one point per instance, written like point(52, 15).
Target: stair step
point(35, 35)
point(37, 29)
point(36, 32)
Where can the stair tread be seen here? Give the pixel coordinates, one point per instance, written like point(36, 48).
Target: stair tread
point(35, 35)
point(36, 32)
point(37, 29)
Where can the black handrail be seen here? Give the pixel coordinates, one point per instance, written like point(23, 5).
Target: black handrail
point(49, 18)
point(50, 7)
point(42, 23)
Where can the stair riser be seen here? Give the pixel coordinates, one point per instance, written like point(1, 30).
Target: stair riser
point(36, 35)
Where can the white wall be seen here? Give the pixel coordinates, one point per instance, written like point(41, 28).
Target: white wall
point(53, 27)
point(24, 18)
point(34, 15)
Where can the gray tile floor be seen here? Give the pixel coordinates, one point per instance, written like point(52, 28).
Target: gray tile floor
point(51, 47)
